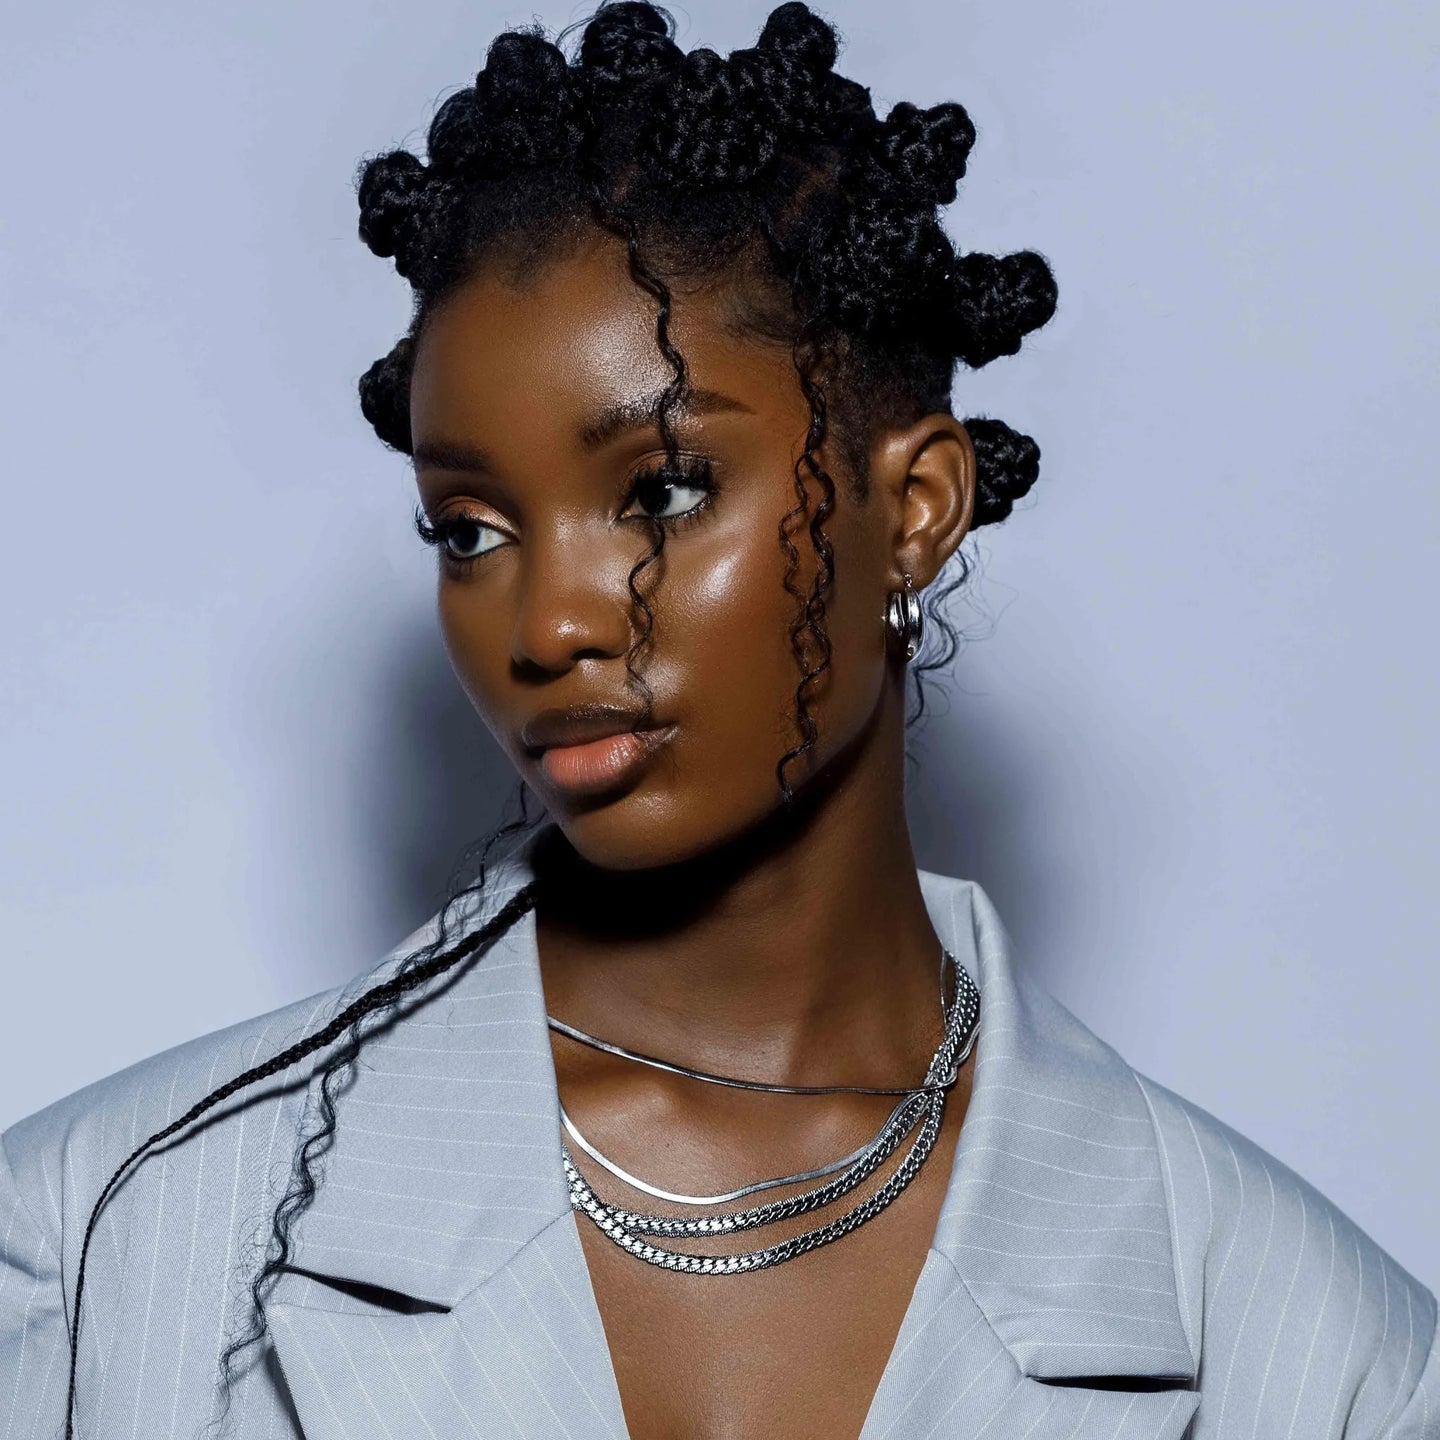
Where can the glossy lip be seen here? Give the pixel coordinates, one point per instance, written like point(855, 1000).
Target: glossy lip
point(601, 765)
point(592, 747)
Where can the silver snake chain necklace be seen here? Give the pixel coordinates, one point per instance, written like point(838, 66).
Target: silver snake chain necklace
point(921, 1106)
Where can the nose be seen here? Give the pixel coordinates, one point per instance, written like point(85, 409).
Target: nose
point(573, 602)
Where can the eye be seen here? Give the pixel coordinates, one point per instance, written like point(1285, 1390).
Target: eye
point(465, 537)
point(674, 492)
point(460, 538)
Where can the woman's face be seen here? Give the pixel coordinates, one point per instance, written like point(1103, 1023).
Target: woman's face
point(537, 456)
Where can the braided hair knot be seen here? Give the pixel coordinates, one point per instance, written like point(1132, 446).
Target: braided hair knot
point(626, 44)
point(795, 32)
point(923, 153)
point(529, 107)
point(710, 129)
point(997, 300)
point(725, 119)
point(1007, 464)
point(523, 110)
point(395, 210)
point(385, 394)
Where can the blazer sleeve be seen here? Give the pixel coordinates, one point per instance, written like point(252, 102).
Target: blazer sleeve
point(1420, 1419)
point(34, 1337)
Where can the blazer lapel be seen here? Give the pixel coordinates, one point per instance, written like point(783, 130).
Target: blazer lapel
point(438, 1286)
point(951, 1378)
point(439, 1289)
point(1048, 1305)
point(522, 1354)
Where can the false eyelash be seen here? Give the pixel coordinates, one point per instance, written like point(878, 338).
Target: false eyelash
point(437, 532)
point(694, 471)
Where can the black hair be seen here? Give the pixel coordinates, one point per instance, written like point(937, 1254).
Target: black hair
point(764, 169)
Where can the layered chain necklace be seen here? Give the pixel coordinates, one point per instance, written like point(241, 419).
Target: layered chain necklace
point(920, 1110)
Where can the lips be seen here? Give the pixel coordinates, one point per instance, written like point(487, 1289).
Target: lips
point(578, 725)
point(590, 749)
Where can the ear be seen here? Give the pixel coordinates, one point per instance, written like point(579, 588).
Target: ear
point(923, 478)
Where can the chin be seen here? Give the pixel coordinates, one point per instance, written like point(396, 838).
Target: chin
point(644, 830)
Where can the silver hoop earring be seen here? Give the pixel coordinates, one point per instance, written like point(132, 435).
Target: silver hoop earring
point(903, 621)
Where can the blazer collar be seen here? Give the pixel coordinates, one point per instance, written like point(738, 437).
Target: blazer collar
point(443, 1196)
point(1057, 1189)
point(445, 1162)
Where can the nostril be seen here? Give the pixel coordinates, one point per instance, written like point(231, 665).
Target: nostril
point(555, 631)
point(558, 650)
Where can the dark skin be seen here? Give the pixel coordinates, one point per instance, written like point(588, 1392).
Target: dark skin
point(687, 914)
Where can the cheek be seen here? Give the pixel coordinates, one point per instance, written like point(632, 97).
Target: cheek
point(731, 618)
point(728, 582)
point(725, 628)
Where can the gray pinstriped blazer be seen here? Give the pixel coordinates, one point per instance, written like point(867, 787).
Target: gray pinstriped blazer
point(1110, 1262)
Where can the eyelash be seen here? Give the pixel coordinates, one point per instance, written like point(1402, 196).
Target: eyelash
point(695, 472)
point(692, 471)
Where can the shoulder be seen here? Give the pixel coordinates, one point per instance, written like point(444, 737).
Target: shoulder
point(1269, 1267)
point(60, 1156)
point(58, 1159)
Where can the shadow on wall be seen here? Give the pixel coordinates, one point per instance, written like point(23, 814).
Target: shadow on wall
point(437, 783)
point(977, 800)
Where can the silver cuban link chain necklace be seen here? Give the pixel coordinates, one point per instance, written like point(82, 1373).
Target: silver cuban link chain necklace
point(919, 1107)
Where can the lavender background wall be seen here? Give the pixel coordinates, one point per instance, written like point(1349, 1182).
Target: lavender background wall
point(1189, 753)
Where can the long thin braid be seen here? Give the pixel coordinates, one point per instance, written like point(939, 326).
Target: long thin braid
point(385, 993)
point(304, 1177)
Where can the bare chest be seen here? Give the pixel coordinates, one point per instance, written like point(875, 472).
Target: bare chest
point(798, 1350)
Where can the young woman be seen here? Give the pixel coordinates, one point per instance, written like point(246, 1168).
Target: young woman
point(702, 1111)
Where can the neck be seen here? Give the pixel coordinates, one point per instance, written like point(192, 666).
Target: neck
point(799, 953)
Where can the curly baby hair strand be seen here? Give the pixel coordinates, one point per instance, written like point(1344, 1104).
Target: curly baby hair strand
point(764, 169)
point(810, 619)
point(652, 282)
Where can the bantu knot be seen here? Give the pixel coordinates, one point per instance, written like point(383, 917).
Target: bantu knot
point(522, 110)
point(625, 42)
point(998, 300)
point(1007, 464)
point(794, 31)
point(527, 103)
point(924, 152)
point(881, 270)
point(716, 126)
point(393, 203)
point(385, 394)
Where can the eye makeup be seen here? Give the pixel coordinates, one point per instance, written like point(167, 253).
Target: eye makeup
point(460, 536)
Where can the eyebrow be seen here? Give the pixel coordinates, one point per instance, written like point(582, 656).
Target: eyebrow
point(636, 411)
point(444, 455)
point(629, 413)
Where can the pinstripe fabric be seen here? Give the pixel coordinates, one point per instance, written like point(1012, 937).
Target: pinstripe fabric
point(1110, 1261)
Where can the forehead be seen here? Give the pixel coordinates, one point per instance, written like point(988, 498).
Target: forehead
point(505, 353)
